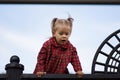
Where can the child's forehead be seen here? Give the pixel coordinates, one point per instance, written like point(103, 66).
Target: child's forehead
point(63, 28)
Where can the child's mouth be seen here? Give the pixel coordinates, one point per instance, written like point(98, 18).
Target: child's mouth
point(63, 41)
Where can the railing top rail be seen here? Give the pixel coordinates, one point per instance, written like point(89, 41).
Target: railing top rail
point(71, 76)
point(60, 1)
point(85, 76)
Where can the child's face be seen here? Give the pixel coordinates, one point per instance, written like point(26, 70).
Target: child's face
point(62, 33)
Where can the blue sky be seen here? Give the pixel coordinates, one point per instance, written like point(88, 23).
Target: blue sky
point(24, 28)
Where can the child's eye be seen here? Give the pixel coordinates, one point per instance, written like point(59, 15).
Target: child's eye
point(66, 33)
point(61, 33)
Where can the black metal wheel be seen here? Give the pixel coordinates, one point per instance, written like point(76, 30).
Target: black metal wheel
point(107, 57)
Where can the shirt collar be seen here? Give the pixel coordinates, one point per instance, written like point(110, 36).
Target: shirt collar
point(62, 46)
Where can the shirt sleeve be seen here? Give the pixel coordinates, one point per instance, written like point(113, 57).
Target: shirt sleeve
point(41, 60)
point(75, 61)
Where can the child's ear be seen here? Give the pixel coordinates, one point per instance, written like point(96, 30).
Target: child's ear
point(53, 34)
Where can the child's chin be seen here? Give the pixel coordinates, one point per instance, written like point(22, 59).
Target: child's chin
point(63, 43)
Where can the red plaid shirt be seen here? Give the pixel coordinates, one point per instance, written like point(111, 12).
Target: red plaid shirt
point(54, 58)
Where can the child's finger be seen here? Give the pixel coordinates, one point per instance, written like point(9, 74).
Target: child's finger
point(44, 73)
point(39, 75)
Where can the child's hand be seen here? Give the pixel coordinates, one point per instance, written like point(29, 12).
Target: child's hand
point(39, 74)
point(79, 73)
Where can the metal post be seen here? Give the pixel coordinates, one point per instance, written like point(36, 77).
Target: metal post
point(14, 69)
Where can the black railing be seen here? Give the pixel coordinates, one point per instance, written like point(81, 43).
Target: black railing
point(60, 1)
point(14, 71)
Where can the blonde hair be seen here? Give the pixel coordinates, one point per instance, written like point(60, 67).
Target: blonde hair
point(56, 21)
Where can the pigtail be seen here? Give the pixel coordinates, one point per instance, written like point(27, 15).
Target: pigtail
point(53, 24)
point(70, 21)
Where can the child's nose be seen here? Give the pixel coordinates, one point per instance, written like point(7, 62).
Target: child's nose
point(64, 35)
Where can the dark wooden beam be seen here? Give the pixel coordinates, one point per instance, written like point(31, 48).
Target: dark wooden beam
point(60, 1)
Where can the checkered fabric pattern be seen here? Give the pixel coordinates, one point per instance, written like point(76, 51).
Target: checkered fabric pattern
point(54, 58)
